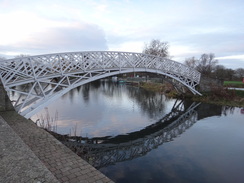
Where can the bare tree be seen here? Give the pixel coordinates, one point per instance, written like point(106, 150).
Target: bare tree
point(229, 74)
point(219, 71)
point(205, 64)
point(239, 73)
point(158, 48)
point(191, 62)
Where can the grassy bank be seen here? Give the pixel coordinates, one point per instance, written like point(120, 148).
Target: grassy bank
point(235, 84)
point(166, 88)
point(222, 97)
point(219, 96)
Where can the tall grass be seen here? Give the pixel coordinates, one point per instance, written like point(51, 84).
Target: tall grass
point(47, 122)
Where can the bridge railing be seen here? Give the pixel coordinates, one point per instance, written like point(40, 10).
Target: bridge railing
point(19, 69)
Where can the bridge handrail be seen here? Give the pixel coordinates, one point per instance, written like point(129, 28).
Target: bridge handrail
point(53, 62)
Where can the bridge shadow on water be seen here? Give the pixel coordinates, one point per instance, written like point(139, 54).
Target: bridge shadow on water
point(104, 151)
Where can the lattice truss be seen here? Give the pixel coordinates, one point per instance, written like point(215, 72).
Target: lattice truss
point(100, 155)
point(33, 82)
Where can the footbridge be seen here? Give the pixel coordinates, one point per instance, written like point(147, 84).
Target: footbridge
point(35, 81)
point(104, 151)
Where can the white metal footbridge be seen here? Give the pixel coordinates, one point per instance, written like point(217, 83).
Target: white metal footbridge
point(35, 81)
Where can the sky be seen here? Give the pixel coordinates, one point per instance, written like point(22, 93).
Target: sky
point(191, 27)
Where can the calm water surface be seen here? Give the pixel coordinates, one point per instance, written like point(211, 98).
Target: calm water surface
point(152, 139)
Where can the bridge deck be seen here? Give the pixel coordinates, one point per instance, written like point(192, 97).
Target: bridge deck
point(48, 159)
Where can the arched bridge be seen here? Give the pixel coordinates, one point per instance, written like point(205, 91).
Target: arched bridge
point(35, 81)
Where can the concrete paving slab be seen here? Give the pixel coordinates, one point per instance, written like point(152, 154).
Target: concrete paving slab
point(64, 164)
point(17, 162)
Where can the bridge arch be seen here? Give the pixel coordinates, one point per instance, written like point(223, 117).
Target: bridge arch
point(39, 80)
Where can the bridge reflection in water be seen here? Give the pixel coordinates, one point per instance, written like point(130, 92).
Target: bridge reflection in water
point(104, 151)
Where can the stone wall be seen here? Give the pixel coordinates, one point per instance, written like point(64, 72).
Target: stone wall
point(207, 84)
point(5, 104)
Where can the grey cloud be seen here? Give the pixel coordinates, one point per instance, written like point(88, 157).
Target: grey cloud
point(83, 37)
point(231, 63)
point(220, 44)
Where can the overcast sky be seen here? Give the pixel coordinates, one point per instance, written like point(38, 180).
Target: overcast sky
point(191, 27)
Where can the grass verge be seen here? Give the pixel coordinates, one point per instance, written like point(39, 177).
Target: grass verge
point(218, 95)
point(235, 84)
point(233, 98)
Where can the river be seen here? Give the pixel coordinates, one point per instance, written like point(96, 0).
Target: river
point(132, 135)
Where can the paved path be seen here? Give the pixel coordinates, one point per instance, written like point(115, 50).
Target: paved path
point(229, 88)
point(30, 154)
point(18, 162)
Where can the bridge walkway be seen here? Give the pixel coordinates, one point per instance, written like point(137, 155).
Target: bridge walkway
point(30, 154)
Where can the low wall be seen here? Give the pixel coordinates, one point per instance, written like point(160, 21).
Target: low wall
point(207, 84)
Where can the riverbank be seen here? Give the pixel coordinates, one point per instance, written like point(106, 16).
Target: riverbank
point(222, 96)
point(165, 88)
point(18, 161)
point(218, 95)
point(30, 154)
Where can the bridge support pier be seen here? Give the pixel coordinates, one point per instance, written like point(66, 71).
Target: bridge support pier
point(207, 84)
point(5, 104)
